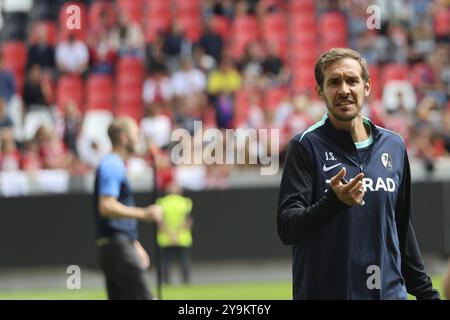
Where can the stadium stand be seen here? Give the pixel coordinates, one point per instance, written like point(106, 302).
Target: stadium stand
point(270, 47)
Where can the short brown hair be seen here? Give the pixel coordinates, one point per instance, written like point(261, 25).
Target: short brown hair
point(333, 55)
point(119, 125)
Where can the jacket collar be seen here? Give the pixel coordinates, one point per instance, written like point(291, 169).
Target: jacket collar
point(343, 137)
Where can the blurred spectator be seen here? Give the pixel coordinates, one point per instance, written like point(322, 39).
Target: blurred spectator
point(186, 111)
point(398, 93)
point(222, 84)
point(423, 41)
point(90, 153)
point(157, 88)
point(53, 152)
point(130, 38)
point(37, 91)
point(202, 61)
point(273, 66)
point(213, 7)
point(41, 53)
point(176, 45)
point(224, 107)
point(164, 168)
point(30, 160)
point(226, 79)
point(104, 23)
point(251, 65)
point(102, 54)
point(174, 234)
point(298, 119)
point(5, 120)
point(156, 127)
point(188, 80)
point(72, 55)
point(72, 126)
point(156, 59)
point(9, 154)
point(211, 41)
point(256, 118)
point(7, 83)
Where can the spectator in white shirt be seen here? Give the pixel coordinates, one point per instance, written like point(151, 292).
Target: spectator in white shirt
point(157, 88)
point(156, 127)
point(72, 55)
point(188, 80)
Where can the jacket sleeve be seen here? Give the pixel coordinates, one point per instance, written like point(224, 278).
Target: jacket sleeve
point(297, 216)
point(418, 283)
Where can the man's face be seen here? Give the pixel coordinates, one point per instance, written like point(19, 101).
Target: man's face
point(344, 89)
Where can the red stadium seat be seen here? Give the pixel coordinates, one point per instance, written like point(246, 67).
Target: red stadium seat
point(333, 41)
point(66, 16)
point(221, 25)
point(133, 10)
point(154, 25)
point(99, 92)
point(192, 7)
point(192, 26)
point(241, 105)
point(442, 23)
point(303, 57)
point(298, 6)
point(274, 29)
point(158, 6)
point(129, 100)
point(299, 24)
point(273, 97)
point(69, 87)
point(50, 28)
point(130, 77)
point(274, 24)
point(244, 30)
point(300, 41)
point(130, 68)
point(303, 80)
point(14, 54)
point(394, 71)
point(281, 43)
point(96, 9)
point(332, 21)
point(374, 72)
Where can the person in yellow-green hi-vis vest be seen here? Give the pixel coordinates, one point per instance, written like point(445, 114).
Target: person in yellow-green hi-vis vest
point(174, 234)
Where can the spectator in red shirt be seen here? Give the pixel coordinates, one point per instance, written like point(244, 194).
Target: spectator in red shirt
point(53, 152)
point(30, 160)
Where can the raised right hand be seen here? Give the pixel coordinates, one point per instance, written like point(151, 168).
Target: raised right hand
point(351, 193)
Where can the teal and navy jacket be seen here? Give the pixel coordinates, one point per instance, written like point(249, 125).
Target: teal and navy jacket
point(350, 252)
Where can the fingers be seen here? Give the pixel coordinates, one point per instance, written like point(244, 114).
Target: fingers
point(351, 193)
point(357, 189)
point(357, 192)
point(337, 178)
point(353, 182)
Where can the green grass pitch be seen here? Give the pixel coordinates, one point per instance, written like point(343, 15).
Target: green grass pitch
point(226, 291)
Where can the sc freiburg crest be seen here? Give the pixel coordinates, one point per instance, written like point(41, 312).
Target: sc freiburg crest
point(386, 160)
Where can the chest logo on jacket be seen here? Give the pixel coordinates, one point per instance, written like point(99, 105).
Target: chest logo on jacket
point(386, 160)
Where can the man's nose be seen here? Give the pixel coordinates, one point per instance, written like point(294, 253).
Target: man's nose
point(344, 89)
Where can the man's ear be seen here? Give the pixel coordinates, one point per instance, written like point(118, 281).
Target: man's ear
point(367, 87)
point(319, 91)
point(123, 137)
